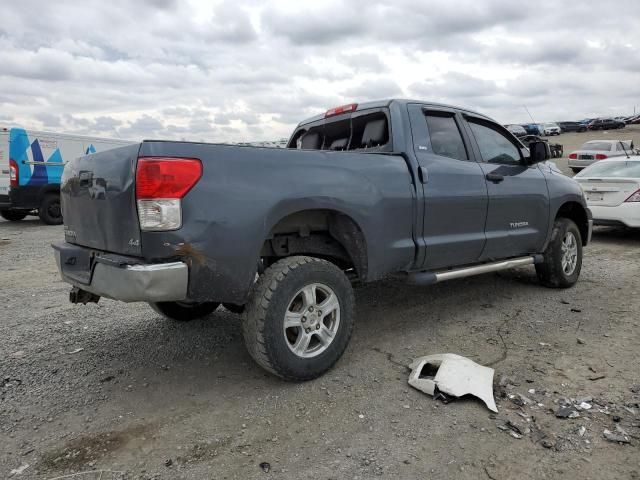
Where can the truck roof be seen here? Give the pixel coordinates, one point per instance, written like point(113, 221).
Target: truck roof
point(389, 101)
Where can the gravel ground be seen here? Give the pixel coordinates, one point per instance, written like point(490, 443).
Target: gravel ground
point(114, 387)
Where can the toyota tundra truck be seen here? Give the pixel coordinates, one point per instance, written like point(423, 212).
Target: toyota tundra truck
point(420, 191)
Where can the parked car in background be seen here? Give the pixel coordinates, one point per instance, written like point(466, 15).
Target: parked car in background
point(605, 124)
point(595, 150)
point(572, 127)
point(555, 148)
point(551, 128)
point(612, 190)
point(633, 119)
point(532, 128)
point(517, 130)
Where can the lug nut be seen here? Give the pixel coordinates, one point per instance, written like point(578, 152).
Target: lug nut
point(311, 309)
point(304, 319)
point(318, 326)
point(307, 330)
point(319, 313)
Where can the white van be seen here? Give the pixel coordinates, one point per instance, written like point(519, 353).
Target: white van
point(31, 164)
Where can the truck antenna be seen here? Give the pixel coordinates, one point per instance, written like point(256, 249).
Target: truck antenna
point(528, 113)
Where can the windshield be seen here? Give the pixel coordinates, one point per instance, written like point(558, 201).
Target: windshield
point(599, 146)
point(613, 169)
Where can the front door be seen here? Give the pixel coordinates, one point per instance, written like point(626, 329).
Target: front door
point(518, 213)
point(454, 189)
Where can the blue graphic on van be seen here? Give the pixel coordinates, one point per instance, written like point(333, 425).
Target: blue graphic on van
point(33, 170)
point(90, 149)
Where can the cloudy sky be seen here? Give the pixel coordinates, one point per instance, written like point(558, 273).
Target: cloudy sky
point(250, 70)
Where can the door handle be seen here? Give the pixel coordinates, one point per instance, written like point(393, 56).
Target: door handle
point(494, 177)
point(423, 174)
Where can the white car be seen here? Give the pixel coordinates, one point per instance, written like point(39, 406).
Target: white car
point(612, 190)
point(595, 150)
point(551, 128)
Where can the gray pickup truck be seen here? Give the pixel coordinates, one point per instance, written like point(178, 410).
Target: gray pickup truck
point(421, 191)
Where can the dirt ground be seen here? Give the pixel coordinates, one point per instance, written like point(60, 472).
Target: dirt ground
point(114, 387)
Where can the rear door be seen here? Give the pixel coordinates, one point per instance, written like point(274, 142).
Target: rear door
point(455, 193)
point(518, 211)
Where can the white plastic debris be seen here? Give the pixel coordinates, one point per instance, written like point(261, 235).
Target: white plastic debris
point(453, 375)
point(19, 470)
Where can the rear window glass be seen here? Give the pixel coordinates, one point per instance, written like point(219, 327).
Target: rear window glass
point(613, 169)
point(359, 132)
point(599, 146)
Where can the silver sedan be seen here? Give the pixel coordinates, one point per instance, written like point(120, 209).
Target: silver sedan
point(595, 150)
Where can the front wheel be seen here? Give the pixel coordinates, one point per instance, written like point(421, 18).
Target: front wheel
point(299, 317)
point(184, 311)
point(562, 259)
point(13, 215)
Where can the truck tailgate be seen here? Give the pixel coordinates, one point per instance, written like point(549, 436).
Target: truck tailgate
point(98, 201)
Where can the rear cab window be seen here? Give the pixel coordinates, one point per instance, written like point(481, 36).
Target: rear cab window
point(357, 131)
point(444, 134)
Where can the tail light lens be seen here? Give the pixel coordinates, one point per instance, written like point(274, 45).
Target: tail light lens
point(161, 183)
point(13, 173)
point(332, 112)
point(600, 156)
point(573, 155)
point(635, 197)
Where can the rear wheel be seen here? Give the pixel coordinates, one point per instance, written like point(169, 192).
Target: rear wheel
point(563, 257)
point(13, 215)
point(299, 317)
point(49, 211)
point(184, 311)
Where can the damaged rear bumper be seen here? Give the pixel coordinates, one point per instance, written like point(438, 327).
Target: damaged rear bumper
point(120, 278)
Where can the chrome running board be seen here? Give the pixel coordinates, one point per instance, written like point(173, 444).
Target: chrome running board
point(427, 278)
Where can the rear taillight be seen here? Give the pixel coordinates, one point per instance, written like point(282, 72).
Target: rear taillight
point(161, 183)
point(13, 173)
point(573, 155)
point(635, 197)
point(600, 156)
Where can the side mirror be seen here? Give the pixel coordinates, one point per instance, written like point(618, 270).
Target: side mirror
point(538, 152)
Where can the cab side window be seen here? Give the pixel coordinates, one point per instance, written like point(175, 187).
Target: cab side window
point(445, 136)
point(494, 146)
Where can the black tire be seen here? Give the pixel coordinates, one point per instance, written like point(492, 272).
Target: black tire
point(234, 308)
point(49, 211)
point(275, 292)
point(13, 215)
point(552, 272)
point(575, 170)
point(184, 312)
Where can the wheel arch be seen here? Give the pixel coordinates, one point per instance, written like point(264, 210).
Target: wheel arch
point(327, 233)
point(576, 212)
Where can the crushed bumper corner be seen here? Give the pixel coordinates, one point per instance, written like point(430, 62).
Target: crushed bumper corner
point(156, 282)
